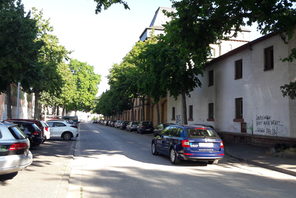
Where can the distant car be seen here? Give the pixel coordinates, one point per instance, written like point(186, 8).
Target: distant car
point(33, 132)
point(193, 143)
point(72, 119)
point(14, 151)
point(132, 126)
point(145, 127)
point(62, 129)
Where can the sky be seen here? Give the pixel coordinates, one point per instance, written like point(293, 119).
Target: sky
point(101, 39)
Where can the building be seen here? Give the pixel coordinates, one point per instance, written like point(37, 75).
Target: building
point(241, 94)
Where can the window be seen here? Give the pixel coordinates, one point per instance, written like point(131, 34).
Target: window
point(59, 124)
point(190, 112)
point(173, 113)
point(211, 78)
point(238, 110)
point(238, 69)
point(268, 58)
point(211, 112)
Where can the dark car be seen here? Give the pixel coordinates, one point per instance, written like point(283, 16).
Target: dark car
point(123, 125)
point(132, 126)
point(41, 124)
point(33, 132)
point(145, 127)
point(193, 143)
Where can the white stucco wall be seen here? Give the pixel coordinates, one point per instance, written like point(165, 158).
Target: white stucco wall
point(265, 110)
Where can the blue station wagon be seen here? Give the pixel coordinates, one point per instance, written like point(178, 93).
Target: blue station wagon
point(193, 143)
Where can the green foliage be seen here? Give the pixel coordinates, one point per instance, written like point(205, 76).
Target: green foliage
point(107, 3)
point(19, 49)
point(86, 82)
point(198, 23)
point(289, 90)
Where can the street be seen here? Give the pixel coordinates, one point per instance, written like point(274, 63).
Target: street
point(112, 163)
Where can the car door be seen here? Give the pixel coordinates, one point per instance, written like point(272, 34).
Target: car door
point(163, 140)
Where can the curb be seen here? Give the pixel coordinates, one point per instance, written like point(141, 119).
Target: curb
point(263, 165)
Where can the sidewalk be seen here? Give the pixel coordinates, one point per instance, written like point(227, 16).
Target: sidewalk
point(264, 157)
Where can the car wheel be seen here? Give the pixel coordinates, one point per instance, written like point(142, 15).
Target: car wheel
point(67, 136)
point(153, 149)
point(8, 176)
point(173, 157)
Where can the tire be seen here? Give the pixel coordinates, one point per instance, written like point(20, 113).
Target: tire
point(153, 149)
point(8, 176)
point(173, 157)
point(67, 136)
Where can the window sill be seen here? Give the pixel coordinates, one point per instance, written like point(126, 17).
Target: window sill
point(211, 119)
point(190, 119)
point(238, 120)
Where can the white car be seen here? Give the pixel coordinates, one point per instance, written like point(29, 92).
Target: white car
point(62, 129)
point(46, 129)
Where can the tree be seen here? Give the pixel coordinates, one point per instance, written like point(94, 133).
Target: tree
point(19, 50)
point(43, 76)
point(86, 82)
point(107, 3)
point(201, 23)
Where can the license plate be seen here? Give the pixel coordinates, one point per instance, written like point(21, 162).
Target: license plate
point(206, 145)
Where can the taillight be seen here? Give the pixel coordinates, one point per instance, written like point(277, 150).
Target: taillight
point(18, 146)
point(221, 145)
point(46, 128)
point(185, 143)
point(36, 133)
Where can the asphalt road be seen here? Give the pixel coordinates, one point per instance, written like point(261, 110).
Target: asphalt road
point(47, 176)
point(111, 163)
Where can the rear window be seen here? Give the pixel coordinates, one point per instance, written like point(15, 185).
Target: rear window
point(200, 133)
point(17, 133)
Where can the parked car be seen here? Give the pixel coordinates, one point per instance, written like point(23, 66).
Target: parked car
point(14, 150)
point(46, 129)
point(71, 119)
point(194, 143)
point(144, 127)
point(62, 129)
point(33, 132)
point(123, 125)
point(132, 126)
point(41, 124)
point(161, 127)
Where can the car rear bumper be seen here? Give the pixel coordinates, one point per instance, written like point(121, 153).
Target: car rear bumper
point(14, 163)
point(201, 157)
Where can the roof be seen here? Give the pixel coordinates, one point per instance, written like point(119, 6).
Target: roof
point(159, 19)
point(241, 48)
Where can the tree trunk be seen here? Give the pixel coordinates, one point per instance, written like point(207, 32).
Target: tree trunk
point(37, 112)
point(58, 111)
point(158, 113)
point(184, 109)
point(8, 105)
point(143, 109)
point(133, 115)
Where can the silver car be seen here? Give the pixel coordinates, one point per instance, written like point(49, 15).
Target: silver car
point(14, 150)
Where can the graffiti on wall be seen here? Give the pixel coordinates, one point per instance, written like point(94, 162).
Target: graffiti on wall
point(266, 125)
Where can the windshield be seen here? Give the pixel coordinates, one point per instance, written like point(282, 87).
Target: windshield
point(201, 132)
